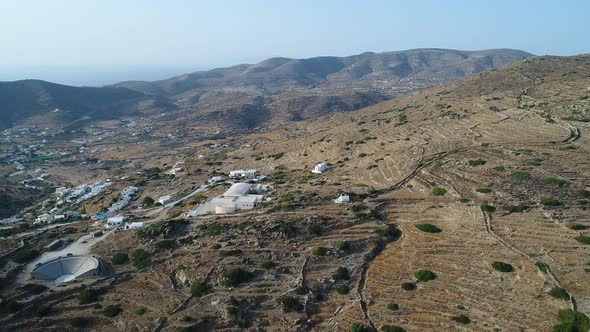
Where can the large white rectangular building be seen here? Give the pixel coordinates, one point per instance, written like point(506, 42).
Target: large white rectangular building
point(240, 196)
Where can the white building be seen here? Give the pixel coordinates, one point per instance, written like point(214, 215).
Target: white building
point(240, 196)
point(320, 168)
point(216, 179)
point(113, 222)
point(44, 219)
point(245, 174)
point(135, 225)
point(342, 199)
point(165, 199)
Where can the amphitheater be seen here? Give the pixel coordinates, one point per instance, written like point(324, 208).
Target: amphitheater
point(67, 269)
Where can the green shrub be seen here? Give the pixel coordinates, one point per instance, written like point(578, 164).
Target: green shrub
point(523, 176)
point(341, 274)
point(356, 327)
point(500, 169)
point(584, 193)
point(319, 251)
point(502, 267)
point(424, 275)
point(542, 267)
point(88, 295)
point(463, 200)
point(388, 231)
point(278, 155)
point(24, 256)
point(362, 155)
point(391, 328)
point(483, 190)
point(408, 286)
point(268, 264)
point(487, 208)
point(78, 322)
point(119, 258)
point(342, 245)
point(148, 201)
point(438, 191)
point(214, 229)
point(555, 182)
point(548, 201)
point(314, 229)
point(393, 306)
point(139, 311)
point(536, 162)
point(236, 276)
point(461, 319)
point(559, 293)
point(140, 258)
point(342, 289)
point(575, 226)
point(199, 288)
point(300, 290)
point(571, 321)
point(583, 239)
point(34, 288)
point(477, 162)
point(112, 311)
point(428, 228)
point(290, 304)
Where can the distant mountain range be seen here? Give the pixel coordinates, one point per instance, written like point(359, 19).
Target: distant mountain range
point(250, 95)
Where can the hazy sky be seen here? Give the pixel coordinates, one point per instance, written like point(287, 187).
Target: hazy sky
point(187, 35)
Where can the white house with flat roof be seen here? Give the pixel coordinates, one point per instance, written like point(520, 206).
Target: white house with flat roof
point(113, 222)
point(165, 199)
point(320, 168)
point(244, 174)
point(342, 199)
point(240, 196)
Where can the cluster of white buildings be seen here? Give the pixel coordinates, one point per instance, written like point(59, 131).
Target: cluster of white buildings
point(48, 218)
point(80, 193)
point(119, 221)
point(240, 196)
point(124, 199)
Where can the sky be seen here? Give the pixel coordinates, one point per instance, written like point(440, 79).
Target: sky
point(95, 42)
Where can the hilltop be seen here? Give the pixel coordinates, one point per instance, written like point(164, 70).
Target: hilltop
point(245, 97)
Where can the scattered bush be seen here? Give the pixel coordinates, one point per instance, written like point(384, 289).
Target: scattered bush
point(342, 289)
point(356, 327)
point(424, 275)
point(341, 274)
point(268, 264)
point(477, 162)
point(139, 311)
point(556, 182)
point(548, 201)
point(112, 311)
point(559, 293)
point(319, 251)
point(34, 288)
point(88, 295)
point(536, 162)
point(278, 155)
point(583, 239)
point(342, 245)
point(408, 286)
point(290, 304)
point(235, 276)
point(461, 319)
point(119, 258)
point(148, 201)
point(388, 231)
point(516, 208)
point(487, 208)
point(391, 328)
point(502, 267)
point(300, 290)
point(542, 267)
point(213, 229)
point(314, 229)
point(140, 258)
point(500, 169)
point(78, 322)
point(571, 321)
point(463, 200)
point(575, 226)
point(24, 256)
point(393, 306)
point(523, 176)
point(428, 228)
point(483, 190)
point(438, 191)
point(584, 193)
point(199, 288)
